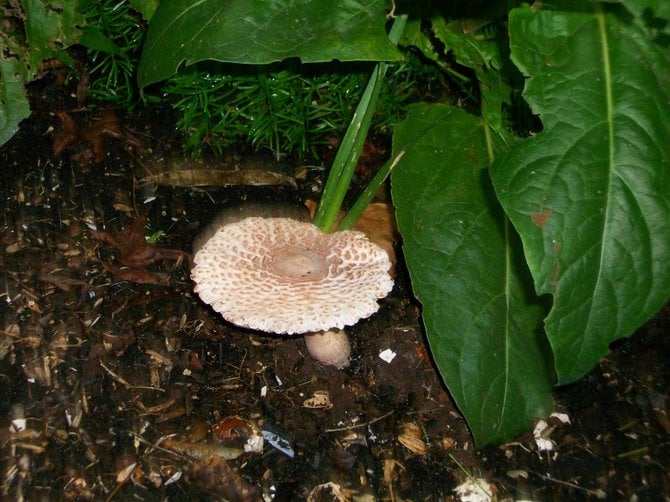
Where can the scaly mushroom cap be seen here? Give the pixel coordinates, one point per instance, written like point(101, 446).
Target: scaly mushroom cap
point(281, 275)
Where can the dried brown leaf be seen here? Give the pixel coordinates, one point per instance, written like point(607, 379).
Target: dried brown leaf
point(119, 341)
point(133, 247)
point(378, 223)
point(94, 134)
point(216, 476)
point(319, 400)
point(202, 451)
point(136, 275)
point(61, 280)
point(330, 491)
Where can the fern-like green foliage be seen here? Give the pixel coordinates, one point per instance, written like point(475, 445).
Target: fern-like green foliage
point(113, 35)
point(288, 108)
point(289, 111)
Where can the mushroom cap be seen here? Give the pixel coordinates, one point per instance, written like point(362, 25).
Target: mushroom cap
point(284, 276)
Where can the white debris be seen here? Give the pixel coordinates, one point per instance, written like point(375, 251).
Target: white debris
point(561, 417)
point(174, 478)
point(387, 355)
point(474, 490)
point(540, 434)
point(254, 444)
point(517, 474)
point(18, 425)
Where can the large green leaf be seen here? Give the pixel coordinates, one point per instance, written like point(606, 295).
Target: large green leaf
point(483, 54)
point(51, 26)
point(48, 28)
point(652, 15)
point(13, 101)
point(146, 7)
point(590, 194)
point(263, 31)
point(481, 317)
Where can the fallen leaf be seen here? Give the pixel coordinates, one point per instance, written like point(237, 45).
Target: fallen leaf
point(378, 223)
point(372, 156)
point(330, 491)
point(136, 275)
point(232, 428)
point(119, 341)
point(61, 280)
point(216, 476)
point(133, 247)
point(136, 254)
point(200, 451)
point(123, 475)
point(94, 135)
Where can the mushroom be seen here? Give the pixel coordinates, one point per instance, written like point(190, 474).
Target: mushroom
point(285, 276)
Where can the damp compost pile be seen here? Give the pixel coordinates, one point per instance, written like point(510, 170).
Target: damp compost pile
point(119, 383)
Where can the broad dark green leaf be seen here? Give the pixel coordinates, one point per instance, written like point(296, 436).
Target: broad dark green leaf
point(466, 266)
point(262, 32)
point(480, 52)
point(471, 49)
point(483, 54)
point(93, 38)
point(50, 25)
point(146, 7)
point(414, 36)
point(652, 15)
point(590, 194)
point(13, 101)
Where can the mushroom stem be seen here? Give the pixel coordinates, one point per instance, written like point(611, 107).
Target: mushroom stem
point(329, 347)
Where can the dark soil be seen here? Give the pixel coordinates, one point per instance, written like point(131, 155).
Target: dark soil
point(115, 390)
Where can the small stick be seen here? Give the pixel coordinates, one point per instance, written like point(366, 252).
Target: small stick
point(358, 426)
point(596, 493)
point(126, 384)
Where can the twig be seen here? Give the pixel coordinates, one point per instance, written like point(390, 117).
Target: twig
point(358, 426)
point(595, 493)
point(126, 384)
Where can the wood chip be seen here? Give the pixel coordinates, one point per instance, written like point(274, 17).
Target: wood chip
point(319, 400)
point(411, 439)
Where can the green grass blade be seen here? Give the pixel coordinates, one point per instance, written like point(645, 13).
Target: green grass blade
point(352, 144)
point(347, 155)
point(369, 193)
